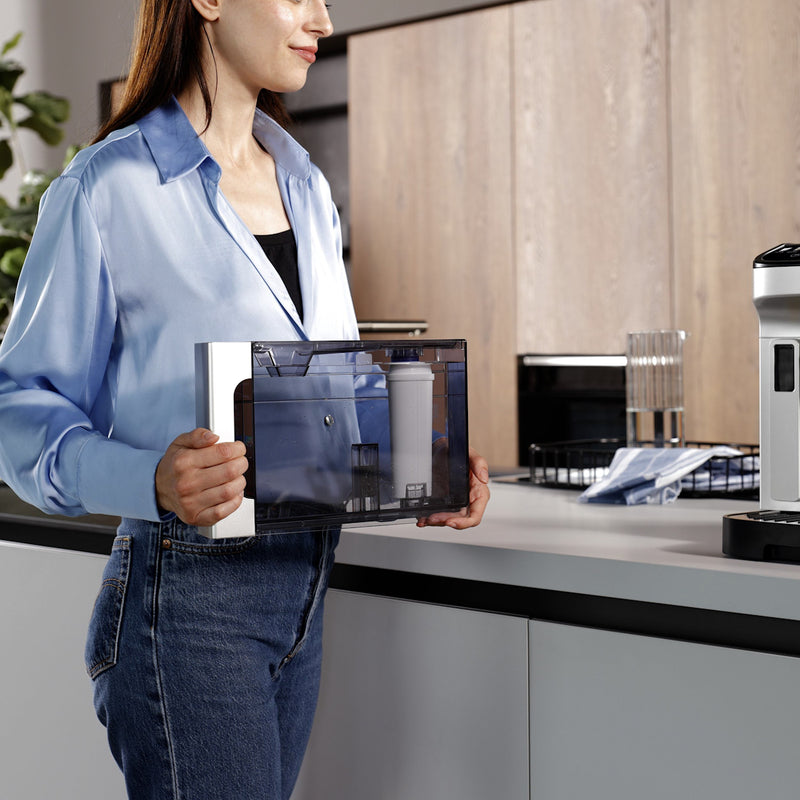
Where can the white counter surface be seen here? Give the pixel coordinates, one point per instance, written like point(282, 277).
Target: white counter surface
point(543, 538)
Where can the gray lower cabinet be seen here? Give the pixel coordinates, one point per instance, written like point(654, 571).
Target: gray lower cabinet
point(51, 744)
point(430, 702)
point(623, 717)
point(419, 702)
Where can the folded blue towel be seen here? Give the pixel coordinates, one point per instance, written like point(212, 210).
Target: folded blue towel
point(649, 474)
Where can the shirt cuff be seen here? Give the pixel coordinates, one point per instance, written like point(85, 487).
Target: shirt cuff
point(116, 479)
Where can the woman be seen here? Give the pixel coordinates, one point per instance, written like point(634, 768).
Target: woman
point(194, 217)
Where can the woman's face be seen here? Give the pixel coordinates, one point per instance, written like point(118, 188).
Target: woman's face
point(268, 44)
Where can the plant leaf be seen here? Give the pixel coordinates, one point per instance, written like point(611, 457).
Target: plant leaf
point(6, 156)
point(33, 186)
point(11, 43)
point(8, 289)
point(21, 220)
point(6, 103)
point(72, 151)
point(43, 104)
point(12, 260)
point(10, 242)
point(48, 131)
point(9, 73)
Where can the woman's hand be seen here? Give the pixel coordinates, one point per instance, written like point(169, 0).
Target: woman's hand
point(478, 498)
point(201, 480)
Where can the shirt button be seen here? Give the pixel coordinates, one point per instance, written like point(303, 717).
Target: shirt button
point(329, 420)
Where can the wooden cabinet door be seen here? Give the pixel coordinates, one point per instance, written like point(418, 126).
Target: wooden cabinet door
point(591, 181)
point(546, 176)
point(431, 198)
point(735, 110)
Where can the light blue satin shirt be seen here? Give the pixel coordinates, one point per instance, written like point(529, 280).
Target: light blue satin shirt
point(136, 257)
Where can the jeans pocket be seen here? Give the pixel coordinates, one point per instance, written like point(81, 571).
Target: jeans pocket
point(102, 642)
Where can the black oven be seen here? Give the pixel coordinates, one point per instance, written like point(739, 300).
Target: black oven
point(569, 398)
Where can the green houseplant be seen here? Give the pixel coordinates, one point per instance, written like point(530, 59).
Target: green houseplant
point(44, 114)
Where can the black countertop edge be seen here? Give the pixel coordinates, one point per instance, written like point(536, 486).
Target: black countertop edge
point(701, 626)
point(79, 536)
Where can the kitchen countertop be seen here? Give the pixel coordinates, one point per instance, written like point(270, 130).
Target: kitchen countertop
point(543, 538)
point(535, 538)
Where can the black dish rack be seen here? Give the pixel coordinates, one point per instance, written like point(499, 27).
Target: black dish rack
point(580, 463)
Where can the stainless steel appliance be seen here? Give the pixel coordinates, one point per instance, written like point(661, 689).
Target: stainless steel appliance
point(773, 532)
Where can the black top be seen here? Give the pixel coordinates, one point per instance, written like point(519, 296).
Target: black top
point(281, 250)
point(784, 255)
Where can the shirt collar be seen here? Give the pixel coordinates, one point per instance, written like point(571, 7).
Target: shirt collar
point(287, 153)
point(177, 149)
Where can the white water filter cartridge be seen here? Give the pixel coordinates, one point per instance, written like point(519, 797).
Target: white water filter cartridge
point(410, 385)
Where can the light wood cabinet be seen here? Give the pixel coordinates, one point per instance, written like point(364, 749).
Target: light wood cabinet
point(431, 198)
point(591, 173)
point(548, 175)
point(509, 185)
point(735, 117)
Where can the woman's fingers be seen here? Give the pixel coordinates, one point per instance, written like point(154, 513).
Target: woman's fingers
point(199, 479)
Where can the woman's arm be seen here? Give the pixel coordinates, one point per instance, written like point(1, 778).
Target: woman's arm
point(55, 407)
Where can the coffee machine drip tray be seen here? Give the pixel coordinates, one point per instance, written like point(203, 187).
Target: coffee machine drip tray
point(762, 536)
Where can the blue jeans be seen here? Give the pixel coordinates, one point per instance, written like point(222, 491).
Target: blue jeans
point(205, 657)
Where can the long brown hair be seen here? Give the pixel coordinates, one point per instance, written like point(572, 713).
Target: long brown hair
point(166, 57)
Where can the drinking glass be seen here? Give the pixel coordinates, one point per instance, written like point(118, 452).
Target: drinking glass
point(654, 388)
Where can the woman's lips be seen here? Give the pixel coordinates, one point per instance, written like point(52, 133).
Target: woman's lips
point(307, 53)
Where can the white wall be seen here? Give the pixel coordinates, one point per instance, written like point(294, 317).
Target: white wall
point(67, 49)
point(84, 42)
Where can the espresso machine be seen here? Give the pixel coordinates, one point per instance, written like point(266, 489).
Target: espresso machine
point(773, 532)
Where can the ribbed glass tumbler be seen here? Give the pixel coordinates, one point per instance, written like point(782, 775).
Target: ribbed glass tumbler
point(654, 388)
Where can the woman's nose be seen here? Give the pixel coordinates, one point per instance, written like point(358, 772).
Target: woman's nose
point(321, 21)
